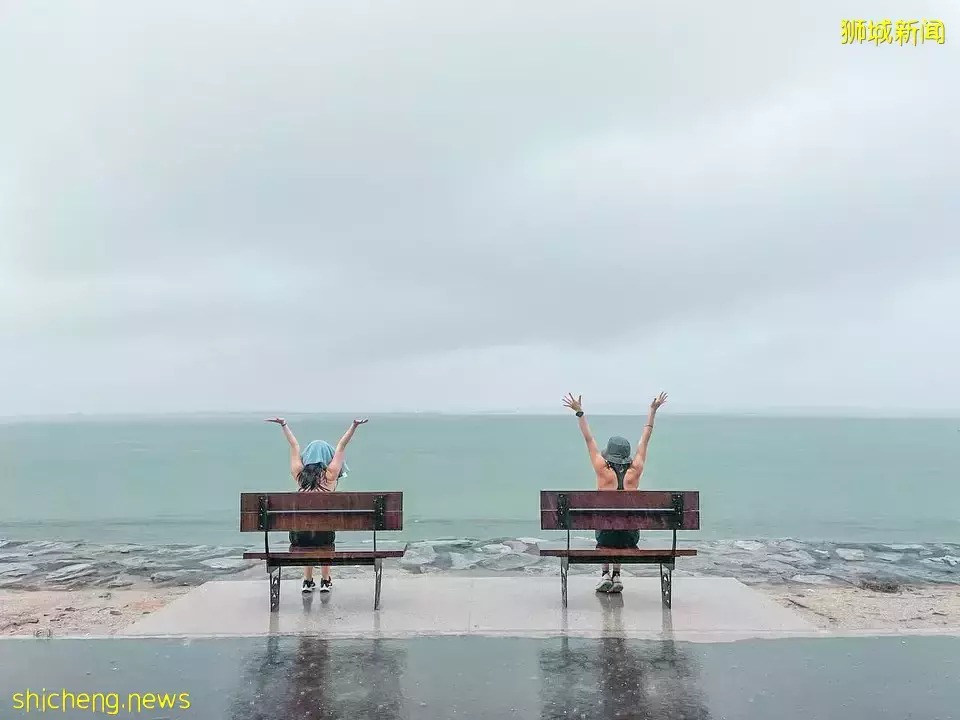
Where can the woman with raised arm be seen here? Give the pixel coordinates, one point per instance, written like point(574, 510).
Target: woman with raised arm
point(616, 470)
point(318, 468)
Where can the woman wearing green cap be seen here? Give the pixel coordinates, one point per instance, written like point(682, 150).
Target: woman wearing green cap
point(616, 470)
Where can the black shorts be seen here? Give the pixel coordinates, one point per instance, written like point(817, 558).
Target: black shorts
point(312, 538)
point(618, 539)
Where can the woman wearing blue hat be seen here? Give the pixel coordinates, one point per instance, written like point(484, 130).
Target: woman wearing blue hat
point(318, 468)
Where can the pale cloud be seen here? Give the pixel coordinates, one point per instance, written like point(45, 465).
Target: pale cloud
point(441, 207)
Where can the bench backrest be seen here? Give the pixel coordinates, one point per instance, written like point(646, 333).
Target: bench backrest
point(619, 510)
point(268, 512)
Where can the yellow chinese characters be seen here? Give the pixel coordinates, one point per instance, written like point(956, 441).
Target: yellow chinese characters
point(892, 32)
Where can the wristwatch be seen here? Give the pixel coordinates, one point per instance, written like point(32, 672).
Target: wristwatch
point(579, 413)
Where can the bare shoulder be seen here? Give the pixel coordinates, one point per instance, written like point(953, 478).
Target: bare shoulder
point(631, 478)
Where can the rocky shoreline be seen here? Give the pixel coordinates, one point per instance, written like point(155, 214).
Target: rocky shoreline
point(64, 565)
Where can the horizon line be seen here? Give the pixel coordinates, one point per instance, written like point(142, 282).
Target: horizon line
point(786, 412)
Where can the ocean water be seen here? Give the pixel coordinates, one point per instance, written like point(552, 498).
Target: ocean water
point(177, 480)
point(110, 503)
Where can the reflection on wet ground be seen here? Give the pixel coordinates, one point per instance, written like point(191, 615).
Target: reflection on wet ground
point(616, 678)
point(475, 677)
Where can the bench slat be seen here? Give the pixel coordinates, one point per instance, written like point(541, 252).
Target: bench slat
point(604, 552)
point(320, 511)
point(318, 556)
point(610, 509)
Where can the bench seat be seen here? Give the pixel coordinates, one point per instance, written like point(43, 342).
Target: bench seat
point(627, 555)
point(322, 556)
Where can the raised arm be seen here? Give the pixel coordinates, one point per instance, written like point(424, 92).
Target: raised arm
point(296, 464)
point(333, 471)
point(576, 404)
point(641, 457)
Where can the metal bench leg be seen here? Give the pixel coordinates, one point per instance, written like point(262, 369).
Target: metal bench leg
point(564, 567)
point(666, 584)
point(274, 575)
point(378, 572)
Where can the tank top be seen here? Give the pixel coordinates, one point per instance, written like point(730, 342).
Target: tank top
point(620, 471)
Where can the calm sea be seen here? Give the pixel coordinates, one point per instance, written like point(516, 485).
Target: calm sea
point(177, 480)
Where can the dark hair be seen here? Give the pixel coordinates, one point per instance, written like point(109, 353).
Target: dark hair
point(311, 477)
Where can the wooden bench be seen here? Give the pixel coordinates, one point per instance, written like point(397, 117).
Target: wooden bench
point(337, 511)
point(620, 510)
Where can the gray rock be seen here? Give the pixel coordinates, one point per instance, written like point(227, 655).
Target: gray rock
point(119, 582)
point(227, 563)
point(850, 554)
point(123, 549)
point(178, 577)
point(497, 549)
point(516, 545)
point(812, 579)
point(16, 570)
point(460, 561)
point(777, 568)
point(459, 543)
point(46, 548)
point(418, 557)
point(797, 557)
point(147, 563)
point(510, 562)
point(72, 572)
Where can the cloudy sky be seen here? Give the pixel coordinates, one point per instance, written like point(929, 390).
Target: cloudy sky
point(330, 206)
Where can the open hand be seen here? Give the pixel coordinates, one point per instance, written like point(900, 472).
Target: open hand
point(277, 420)
point(574, 404)
point(359, 422)
point(658, 401)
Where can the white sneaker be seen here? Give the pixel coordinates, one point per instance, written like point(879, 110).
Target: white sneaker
point(616, 585)
point(605, 583)
point(308, 586)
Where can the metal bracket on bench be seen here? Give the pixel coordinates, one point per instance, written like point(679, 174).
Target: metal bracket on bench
point(380, 512)
point(676, 500)
point(563, 511)
point(379, 517)
point(263, 521)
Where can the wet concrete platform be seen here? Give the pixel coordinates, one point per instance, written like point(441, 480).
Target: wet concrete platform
point(466, 677)
point(704, 610)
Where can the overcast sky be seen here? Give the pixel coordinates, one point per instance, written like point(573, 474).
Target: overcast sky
point(371, 206)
